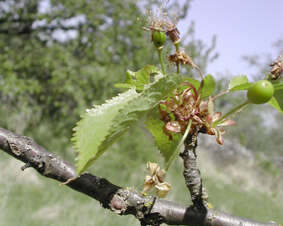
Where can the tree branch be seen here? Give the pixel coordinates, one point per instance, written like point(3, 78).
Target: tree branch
point(149, 210)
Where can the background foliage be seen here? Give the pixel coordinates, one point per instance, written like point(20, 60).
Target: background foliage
point(58, 58)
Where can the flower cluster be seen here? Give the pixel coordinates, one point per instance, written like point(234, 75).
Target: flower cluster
point(187, 105)
point(182, 58)
point(156, 180)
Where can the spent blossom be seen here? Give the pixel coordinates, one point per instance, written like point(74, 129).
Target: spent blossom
point(277, 68)
point(156, 180)
point(187, 105)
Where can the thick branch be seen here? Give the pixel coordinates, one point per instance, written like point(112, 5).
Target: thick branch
point(149, 210)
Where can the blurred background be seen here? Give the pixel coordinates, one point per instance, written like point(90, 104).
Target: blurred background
point(58, 58)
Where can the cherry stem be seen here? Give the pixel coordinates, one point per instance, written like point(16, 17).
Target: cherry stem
point(200, 73)
point(177, 51)
point(176, 152)
point(233, 111)
point(220, 94)
point(159, 50)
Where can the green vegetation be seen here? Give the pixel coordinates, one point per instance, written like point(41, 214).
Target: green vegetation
point(48, 78)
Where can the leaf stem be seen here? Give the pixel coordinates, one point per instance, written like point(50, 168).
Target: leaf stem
point(175, 154)
point(220, 94)
point(176, 44)
point(233, 111)
point(159, 50)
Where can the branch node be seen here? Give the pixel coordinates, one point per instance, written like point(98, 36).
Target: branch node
point(25, 166)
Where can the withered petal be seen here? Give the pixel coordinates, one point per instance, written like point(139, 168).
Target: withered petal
point(162, 189)
point(173, 126)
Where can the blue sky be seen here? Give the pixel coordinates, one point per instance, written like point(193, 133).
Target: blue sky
point(242, 28)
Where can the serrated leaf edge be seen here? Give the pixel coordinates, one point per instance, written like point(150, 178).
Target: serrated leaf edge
point(98, 110)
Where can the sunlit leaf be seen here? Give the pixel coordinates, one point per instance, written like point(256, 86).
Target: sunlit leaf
point(238, 81)
point(274, 103)
point(208, 86)
point(93, 128)
point(244, 86)
point(101, 126)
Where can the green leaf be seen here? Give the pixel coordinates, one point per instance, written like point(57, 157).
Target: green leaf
point(274, 103)
point(278, 95)
point(123, 85)
point(208, 86)
point(138, 79)
point(94, 126)
point(277, 99)
point(140, 105)
point(165, 146)
point(100, 127)
point(244, 86)
point(278, 86)
point(238, 81)
point(193, 81)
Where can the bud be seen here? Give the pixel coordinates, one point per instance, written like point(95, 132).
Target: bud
point(158, 38)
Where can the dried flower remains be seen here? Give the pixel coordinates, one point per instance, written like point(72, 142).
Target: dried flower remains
point(156, 180)
point(277, 68)
point(187, 105)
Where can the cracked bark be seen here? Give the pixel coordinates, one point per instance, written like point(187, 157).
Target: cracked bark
point(192, 174)
point(148, 210)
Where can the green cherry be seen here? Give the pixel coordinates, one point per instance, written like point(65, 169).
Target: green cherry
point(260, 92)
point(158, 38)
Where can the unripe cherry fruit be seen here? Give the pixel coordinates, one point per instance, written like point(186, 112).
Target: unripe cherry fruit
point(158, 38)
point(260, 92)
